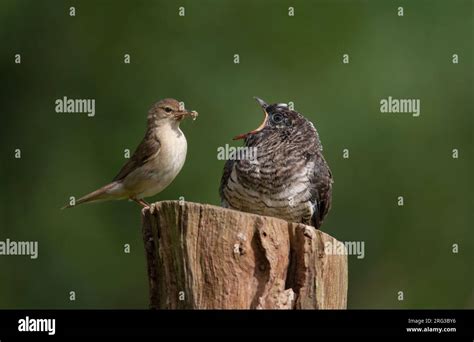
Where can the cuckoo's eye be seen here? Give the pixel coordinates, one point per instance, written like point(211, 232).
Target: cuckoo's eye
point(277, 118)
point(168, 110)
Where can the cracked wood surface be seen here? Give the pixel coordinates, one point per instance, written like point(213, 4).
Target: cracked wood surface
point(206, 257)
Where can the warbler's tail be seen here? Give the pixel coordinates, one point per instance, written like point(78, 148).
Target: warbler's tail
point(109, 191)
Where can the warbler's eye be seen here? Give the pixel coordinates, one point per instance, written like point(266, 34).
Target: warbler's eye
point(168, 110)
point(277, 118)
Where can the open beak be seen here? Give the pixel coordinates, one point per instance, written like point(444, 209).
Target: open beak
point(183, 113)
point(264, 106)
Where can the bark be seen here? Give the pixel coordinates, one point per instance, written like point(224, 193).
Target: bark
point(205, 257)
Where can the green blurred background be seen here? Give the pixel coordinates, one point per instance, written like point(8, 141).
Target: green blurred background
point(282, 59)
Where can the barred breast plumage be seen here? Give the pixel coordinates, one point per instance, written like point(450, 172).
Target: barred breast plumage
point(287, 177)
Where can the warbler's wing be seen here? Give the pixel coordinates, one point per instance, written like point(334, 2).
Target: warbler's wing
point(148, 148)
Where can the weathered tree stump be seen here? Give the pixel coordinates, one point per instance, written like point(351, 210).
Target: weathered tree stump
point(206, 257)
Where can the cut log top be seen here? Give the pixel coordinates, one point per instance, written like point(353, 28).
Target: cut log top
point(205, 257)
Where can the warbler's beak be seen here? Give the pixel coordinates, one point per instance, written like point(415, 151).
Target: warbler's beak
point(183, 113)
point(264, 106)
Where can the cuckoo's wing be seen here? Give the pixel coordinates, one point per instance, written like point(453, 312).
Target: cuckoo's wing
point(225, 177)
point(321, 189)
point(148, 148)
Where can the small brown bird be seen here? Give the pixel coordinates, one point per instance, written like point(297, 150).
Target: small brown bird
point(155, 162)
point(287, 177)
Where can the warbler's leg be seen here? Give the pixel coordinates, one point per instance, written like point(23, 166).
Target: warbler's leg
point(143, 203)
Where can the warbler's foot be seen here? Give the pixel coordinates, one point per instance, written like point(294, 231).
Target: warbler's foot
point(142, 202)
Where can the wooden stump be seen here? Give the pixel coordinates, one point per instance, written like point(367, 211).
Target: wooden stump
point(206, 257)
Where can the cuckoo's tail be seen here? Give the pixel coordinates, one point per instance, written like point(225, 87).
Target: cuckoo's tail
point(104, 193)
